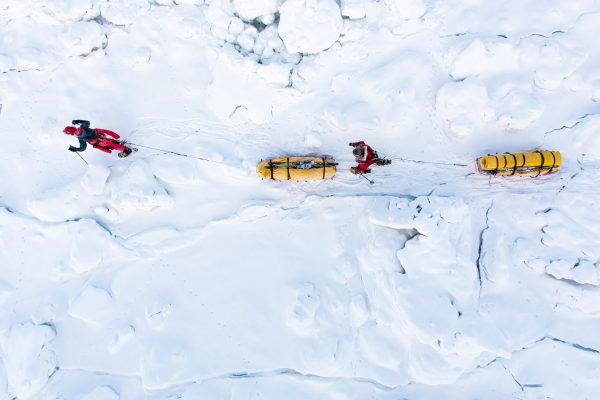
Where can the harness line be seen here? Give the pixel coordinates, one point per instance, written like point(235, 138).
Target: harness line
point(176, 153)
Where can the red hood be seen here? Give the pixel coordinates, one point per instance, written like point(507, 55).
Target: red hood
point(71, 130)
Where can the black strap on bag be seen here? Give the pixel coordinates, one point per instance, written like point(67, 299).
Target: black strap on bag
point(497, 165)
point(324, 166)
point(505, 161)
point(541, 164)
point(523, 165)
point(553, 162)
point(515, 167)
point(288, 168)
point(271, 168)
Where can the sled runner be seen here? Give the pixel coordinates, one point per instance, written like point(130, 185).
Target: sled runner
point(298, 168)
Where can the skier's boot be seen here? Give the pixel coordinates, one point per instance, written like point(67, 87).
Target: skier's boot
point(125, 152)
point(382, 161)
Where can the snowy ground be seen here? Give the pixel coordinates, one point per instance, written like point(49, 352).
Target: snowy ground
point(165, 277)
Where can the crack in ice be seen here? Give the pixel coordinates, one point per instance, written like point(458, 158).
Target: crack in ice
point(479, 262)
point(578, 122)
point(302, 375)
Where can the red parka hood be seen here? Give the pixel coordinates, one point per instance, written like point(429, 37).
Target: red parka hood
point(71, 130)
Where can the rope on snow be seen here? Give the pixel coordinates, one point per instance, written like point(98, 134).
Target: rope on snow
point(220, 162)
point(176, 153)
point(429, 162)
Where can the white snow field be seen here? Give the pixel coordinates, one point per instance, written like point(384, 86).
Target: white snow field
point(184, 276)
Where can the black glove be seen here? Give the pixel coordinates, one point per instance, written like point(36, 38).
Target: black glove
point(71, 148)
point(352, 144)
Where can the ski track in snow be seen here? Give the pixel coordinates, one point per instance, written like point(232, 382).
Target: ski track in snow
point(161, 276)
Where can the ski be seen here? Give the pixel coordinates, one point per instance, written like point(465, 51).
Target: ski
point(125, 153)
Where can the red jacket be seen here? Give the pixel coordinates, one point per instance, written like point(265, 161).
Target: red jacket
point(101, 139)
point(368, 156)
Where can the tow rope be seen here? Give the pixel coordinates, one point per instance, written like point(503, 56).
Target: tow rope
point(429, 162)
point(176, 153)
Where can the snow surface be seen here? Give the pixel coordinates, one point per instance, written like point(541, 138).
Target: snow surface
point(323, 17)
point(184, 276)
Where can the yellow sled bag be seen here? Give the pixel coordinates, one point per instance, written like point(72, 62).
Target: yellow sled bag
point(299, 168)
point(531, 163)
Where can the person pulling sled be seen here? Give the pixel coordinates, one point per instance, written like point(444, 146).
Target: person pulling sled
point(365, 157)
point(101, 139)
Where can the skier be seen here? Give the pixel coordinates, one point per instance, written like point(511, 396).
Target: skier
point(365, 156)
point(101, 139)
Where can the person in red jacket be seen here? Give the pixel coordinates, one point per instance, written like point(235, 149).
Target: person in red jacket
point(101, 139)
point(365, 156)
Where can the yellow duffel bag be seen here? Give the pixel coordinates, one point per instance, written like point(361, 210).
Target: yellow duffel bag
point(530, 163)
point(298, 168)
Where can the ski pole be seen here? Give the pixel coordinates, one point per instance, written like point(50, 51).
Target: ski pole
point(86, 163)
point(368, 180)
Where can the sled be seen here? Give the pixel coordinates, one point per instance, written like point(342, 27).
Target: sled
point(298, 168)
point(530, 163)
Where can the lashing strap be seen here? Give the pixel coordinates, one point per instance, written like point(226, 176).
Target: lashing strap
point(541, 163)
point(497, 165)
point(523, 165)
point(553, 162)
point(515, 167)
